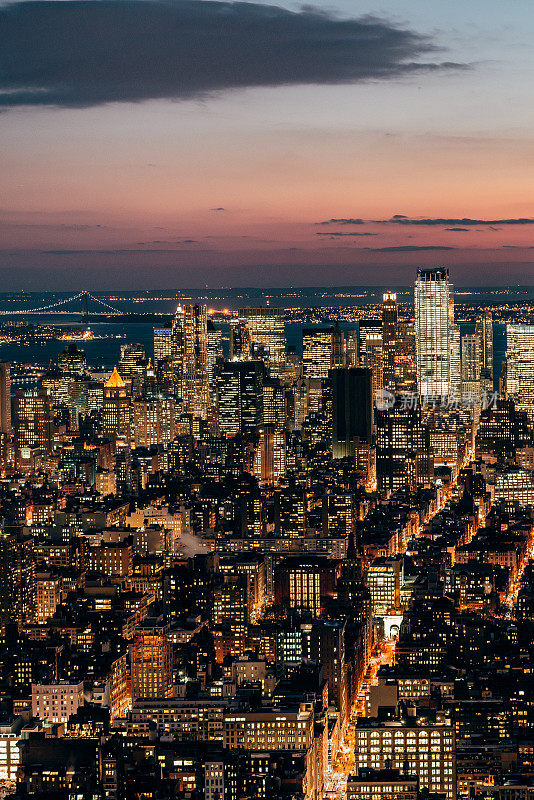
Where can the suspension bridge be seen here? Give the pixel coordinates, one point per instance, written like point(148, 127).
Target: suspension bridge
point(57, 307)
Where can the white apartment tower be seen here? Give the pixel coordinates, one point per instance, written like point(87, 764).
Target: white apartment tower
point(437, 337)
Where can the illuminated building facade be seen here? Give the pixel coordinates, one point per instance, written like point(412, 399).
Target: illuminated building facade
point(190, 329)
point(154, 421)
point(520, 367)
point(266, 333)
point(116, 408)
point(484, 334)
point(240, 396)
point(424, 750)
point(317, 351)
point(471, 365)
point(5, 398)
point(437, 338)
point(389, 339)
point(151, 661)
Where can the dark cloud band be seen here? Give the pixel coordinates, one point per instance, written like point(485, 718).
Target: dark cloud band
point(80, 53)
point(399, 219)
point(407, 248)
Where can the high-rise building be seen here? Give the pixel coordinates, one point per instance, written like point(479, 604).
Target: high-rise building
point(33, 420)
point(455, 362)
point(190, 330)
point(317, 352)
point(116, 409)
point(471, 388)
point(17, 569)
point(154, 421)
point(339, 355)
point(402, 447)
point(351, 348)
point(389, 337)
point(291, 511)
point(151, 660)
point(352, 409)
point(269, 463)
point(373, 358)
point(132, 360)
point(163, 344)
point(366, 327)
point(520, 367)
point(266, 332)
point(72, 361)
point(5, 398)
point(384, 578)
point(274, 403)
point(240, 396)
point(405, 360)
point(437, 338)
point(484, 334)
point(328, 648)
point(239, 340)
point(214, 353)
point(47, 591)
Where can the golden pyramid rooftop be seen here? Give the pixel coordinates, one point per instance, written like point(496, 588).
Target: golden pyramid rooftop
point(115, 381)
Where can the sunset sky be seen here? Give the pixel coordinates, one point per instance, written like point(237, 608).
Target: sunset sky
point(160, 144)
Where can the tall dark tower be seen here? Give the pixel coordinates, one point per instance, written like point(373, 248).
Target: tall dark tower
point(5, 398)
point(389, 337)
point(352, 408)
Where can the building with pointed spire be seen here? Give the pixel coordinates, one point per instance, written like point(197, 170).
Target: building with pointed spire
point(116, 408)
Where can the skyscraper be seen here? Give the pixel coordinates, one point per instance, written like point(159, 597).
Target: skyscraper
point(339, 355)
point(402, 448)
point(154, 421)
point(214, 353)
point(269, 464)
point(366, 327)
point(33, 420)
point(437, 338)
point(317, 351)
point(116, 409)
point(274, 403)
point(351, 348)
point(352, 409)
point(471, 388)
point(240, 396)
point(373, 357)
point(389, 336)
point(484, 334)
point(405, 360)
point(267, 337)
point(163, 344)
point(190, 331)
point(239, 340)
point(520, 367)
point(132, 360)
point(72, 361)
point(5, 398)
point(17, 567)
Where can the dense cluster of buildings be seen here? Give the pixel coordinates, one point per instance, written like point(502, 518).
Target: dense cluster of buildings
point(265, 573)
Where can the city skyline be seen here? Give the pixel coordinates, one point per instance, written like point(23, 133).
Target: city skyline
point(399, 144)
point(270, 552)
point(266, 400)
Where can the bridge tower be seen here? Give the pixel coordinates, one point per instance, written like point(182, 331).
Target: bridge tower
point(85, 306)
